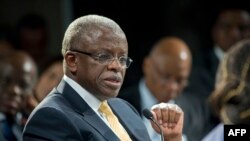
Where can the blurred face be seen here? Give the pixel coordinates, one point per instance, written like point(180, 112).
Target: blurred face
point(16, 84)
point(51, 76)
point(231, 26)
point(5, 72)
point(103, 79)
point(166, 76)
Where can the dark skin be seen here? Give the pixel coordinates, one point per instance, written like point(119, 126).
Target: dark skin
point(230, 27)
point(167, 68)
point(18, 83)
point(102, 80)
point(105, 81)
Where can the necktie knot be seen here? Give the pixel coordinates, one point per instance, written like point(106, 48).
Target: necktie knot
point(104, 108)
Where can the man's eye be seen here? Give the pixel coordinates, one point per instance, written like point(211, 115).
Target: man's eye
point(104, 57)
point(123, 60)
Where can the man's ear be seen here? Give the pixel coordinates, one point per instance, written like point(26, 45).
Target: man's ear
point(71, 61)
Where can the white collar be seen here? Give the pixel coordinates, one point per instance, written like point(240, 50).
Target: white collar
point(219, 53)
point(89, 98)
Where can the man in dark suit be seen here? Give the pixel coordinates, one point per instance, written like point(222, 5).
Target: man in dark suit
point(1, 136)
point(18, 74)
point(95, 53)
point(230, 26)
point(166, 70)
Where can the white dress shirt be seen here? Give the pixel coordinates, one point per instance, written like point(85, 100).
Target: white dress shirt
point(147, 101)
point(89, 98)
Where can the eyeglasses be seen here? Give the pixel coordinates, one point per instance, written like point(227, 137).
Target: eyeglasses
point(106, 58)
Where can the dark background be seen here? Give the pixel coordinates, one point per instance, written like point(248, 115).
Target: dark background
point(144, 22)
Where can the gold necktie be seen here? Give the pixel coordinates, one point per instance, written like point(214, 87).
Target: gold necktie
point(114, 122)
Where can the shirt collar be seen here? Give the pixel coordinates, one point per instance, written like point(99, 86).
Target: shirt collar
point(147, 98)
point(218, 52)
point(89, 98)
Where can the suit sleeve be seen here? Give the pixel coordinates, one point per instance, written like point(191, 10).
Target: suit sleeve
point(48, 124)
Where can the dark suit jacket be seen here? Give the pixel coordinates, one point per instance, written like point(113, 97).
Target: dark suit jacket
point(196, 114)
point(201, 85)
point(1, 136)
point(14, 129)
point(64, 116)
point(202, 77)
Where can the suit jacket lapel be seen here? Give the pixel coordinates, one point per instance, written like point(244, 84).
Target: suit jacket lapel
point(81, 107)
point(91, 117)
point(130, 124)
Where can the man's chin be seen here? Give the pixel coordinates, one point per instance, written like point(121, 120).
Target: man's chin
point(109, 93)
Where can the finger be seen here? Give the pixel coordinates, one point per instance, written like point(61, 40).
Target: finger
point(165, 116)
point(157, 113)
point(172, 114)
point(177, 114)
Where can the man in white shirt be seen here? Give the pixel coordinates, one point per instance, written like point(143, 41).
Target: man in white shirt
point(166, 70)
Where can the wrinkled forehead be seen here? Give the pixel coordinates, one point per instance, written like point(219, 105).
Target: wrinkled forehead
point(95, 33)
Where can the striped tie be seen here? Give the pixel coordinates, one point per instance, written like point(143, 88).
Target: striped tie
point(115, 125)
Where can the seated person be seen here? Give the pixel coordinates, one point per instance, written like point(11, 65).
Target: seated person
point(230, 99)
point(18, 76)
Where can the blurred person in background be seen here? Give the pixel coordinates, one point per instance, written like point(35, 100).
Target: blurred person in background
point(166, 71)
point(230, 26)
point(49, 78)
point(17, 79)
point(231, 98)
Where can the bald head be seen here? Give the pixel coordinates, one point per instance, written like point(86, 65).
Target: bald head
point(171, 47)
point(22, 62)
point(24, 68)
point(167, 68)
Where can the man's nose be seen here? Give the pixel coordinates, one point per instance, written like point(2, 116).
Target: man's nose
point(172, 84)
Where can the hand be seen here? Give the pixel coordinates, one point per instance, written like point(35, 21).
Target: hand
point(170, 118)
